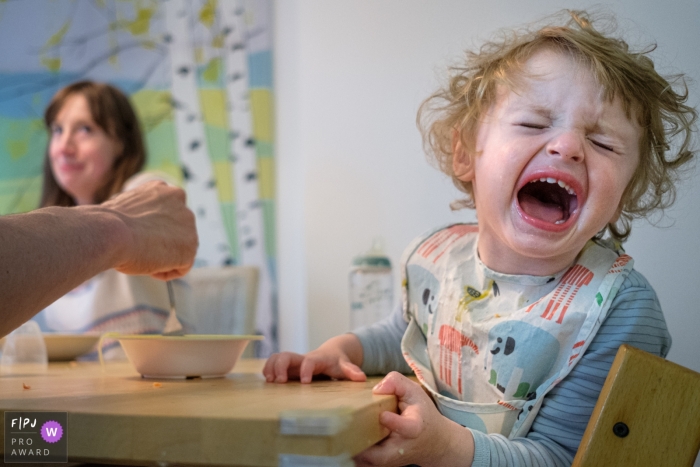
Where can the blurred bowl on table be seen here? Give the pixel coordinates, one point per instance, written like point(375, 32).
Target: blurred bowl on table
point(191, 355)
point(62, 347)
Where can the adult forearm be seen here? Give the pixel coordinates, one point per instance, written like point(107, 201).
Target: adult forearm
point(46, 253)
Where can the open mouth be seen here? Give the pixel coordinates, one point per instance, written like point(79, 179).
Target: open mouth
point(548, 199)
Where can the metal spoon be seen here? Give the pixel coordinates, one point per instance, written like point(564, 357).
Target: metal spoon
point(173, 327)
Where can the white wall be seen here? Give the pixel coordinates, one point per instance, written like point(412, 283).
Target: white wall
point(349, 77)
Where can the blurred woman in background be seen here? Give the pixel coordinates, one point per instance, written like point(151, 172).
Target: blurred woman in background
point(96, 150)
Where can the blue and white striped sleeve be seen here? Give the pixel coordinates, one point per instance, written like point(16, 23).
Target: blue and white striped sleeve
point(636, 319)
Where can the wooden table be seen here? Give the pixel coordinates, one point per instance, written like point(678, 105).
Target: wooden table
point(115, 416)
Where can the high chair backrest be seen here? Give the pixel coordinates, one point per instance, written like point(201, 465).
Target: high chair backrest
point(223, 300)
point(648, 414)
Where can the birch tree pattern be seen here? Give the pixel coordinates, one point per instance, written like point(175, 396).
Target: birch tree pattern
point(198, 73)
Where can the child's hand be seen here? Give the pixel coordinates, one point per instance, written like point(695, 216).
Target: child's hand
point(334, 358)
point(419, 433)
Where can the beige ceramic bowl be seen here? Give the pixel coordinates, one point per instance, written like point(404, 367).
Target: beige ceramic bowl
point(62, 347)
point(193, 355)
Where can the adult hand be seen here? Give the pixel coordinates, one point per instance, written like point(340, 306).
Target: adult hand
point(161, 237)
point(419, 433)
point(334, 358)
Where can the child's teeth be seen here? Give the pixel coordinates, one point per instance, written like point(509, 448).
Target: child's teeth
point(560, 221)
point(558, 182)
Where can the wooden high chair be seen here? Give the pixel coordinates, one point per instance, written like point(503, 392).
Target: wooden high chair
point(648, 414)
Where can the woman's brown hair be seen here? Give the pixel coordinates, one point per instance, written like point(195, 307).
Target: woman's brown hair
point(113, 113)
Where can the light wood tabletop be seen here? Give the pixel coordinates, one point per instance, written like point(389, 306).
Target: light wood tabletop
point(115, 416)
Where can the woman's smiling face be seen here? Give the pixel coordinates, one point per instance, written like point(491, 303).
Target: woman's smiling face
point(552, 162)
point(81, 153)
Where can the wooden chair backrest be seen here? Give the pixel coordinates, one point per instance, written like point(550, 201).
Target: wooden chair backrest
point(648, 414)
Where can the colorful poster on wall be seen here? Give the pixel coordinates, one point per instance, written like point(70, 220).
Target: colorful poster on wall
point(198, 72)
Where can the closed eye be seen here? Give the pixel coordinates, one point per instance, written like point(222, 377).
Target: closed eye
point(602, 146)
point(535, 126)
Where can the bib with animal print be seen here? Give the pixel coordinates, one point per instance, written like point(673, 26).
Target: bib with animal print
point(489, 346)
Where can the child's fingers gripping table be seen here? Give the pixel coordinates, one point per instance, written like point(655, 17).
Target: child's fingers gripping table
point(277, 367)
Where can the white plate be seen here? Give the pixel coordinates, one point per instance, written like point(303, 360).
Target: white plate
point(63, 347)
point(192, 355)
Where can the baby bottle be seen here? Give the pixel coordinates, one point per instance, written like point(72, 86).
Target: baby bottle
point(371, 287)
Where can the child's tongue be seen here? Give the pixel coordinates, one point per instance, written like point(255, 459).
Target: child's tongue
point(533, 207)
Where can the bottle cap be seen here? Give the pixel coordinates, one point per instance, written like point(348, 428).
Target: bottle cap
point(375, 257)
point(373, 261)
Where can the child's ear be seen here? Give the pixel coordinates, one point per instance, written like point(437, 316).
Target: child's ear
point(462, 163)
